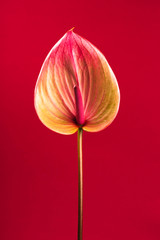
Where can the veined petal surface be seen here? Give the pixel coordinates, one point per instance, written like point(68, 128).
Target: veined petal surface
point(75, 62)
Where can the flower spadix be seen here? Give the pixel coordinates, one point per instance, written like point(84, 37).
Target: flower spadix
point(76, 87)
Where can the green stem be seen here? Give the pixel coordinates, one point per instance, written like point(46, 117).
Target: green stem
point(80, 185)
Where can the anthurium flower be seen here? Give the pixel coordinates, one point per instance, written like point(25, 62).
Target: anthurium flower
point(76, 90)
point(76, 87)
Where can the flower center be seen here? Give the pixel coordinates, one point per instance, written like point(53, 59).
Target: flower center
point(79, 106)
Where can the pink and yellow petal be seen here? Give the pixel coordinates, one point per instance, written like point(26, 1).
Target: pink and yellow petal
point(74, 63)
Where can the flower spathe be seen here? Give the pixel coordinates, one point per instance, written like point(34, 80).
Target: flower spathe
point(76, 87)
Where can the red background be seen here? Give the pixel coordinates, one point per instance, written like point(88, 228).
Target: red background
point(38, 168)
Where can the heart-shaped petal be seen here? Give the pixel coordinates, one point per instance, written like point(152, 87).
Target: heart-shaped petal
point(76, 87)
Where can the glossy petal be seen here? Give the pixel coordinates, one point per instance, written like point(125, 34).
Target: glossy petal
point(76, 87)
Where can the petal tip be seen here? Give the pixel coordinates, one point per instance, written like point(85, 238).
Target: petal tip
point(71, 30)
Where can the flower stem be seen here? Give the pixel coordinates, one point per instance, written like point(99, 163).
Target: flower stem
point(80, 185)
